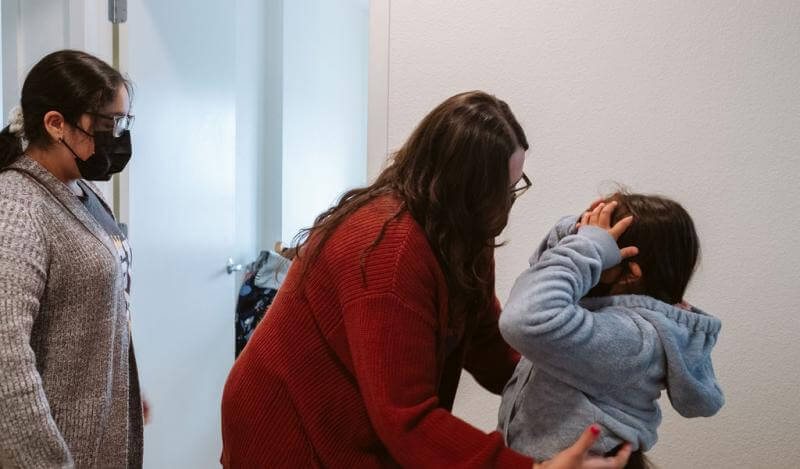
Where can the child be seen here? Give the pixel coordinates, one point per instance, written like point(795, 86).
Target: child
point(604, 330)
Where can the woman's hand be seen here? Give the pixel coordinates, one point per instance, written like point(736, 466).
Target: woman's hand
point(577, 455)
point(146, 414)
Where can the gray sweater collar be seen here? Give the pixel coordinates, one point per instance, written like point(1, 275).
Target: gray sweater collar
point(60, 192)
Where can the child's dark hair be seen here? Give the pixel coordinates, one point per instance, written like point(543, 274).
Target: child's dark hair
point(667, 241)
point(68, 81)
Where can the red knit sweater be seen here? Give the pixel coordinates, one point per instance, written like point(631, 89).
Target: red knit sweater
point(346, 374)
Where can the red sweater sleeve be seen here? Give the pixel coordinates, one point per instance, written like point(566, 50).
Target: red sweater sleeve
point(490, 360)
point(393, 348)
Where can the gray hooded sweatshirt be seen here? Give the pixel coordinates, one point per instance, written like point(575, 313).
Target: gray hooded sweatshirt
point(597, 360)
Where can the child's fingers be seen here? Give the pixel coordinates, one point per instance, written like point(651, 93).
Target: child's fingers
point(629, 251)
point(585, 218)
point(594, 216)
point(595, 204)
point(622, 225)
point(606, 213)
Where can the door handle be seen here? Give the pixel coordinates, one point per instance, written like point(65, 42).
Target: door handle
point(231, 267)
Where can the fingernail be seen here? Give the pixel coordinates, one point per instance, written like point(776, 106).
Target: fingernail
point(595, 430)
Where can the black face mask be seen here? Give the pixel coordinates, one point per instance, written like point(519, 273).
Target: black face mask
point(111, 155)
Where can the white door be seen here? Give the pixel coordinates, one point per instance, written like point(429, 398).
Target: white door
point(180, 55)
point(218, 171)
point(214, 165)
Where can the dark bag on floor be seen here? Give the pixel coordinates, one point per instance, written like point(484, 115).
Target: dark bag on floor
point(259, 287)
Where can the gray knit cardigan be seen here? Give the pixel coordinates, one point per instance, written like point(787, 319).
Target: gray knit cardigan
point(69, 390)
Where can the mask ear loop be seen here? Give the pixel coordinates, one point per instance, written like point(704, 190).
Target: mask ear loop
point(82, 131)
point(61, 139)
point(68, 147)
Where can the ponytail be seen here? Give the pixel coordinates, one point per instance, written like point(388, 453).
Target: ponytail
point(10, 147)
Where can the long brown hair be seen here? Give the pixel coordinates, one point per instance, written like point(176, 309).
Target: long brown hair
point(668, 243)
point(452, 176)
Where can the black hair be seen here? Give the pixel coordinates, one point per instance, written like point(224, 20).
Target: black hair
point(668, 244)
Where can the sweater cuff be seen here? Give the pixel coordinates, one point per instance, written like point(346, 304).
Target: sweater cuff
point(610, 255)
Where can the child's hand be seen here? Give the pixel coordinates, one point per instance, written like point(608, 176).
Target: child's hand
point(600, 216)
point(592, 206)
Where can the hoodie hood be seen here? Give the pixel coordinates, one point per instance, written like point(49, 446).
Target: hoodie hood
point(687, 338)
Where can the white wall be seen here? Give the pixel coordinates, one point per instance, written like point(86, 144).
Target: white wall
point(696, 100)
point(324, 106)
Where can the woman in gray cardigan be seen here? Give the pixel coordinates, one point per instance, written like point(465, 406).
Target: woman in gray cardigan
point(69, 390)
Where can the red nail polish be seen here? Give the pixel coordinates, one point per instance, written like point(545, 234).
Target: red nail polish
point(595, 430)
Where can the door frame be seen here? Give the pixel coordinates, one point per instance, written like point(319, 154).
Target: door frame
point(378, 87)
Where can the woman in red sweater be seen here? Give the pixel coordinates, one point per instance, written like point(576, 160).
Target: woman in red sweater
point(356, 363)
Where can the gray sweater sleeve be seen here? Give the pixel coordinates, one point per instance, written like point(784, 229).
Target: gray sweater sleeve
point(29, 436)
point(544, 321)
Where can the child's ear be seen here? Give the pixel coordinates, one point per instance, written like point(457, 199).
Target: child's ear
point(633, 274)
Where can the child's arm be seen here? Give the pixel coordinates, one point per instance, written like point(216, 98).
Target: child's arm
point(543, 320)
point(564, 228)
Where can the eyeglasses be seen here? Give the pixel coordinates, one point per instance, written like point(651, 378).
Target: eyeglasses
point(521, 186)
point(122, 122)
